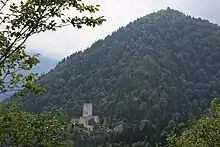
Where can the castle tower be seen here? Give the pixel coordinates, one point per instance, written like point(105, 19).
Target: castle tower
point(87, 109)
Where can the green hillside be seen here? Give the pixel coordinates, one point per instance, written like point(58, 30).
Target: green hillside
point(156, 72)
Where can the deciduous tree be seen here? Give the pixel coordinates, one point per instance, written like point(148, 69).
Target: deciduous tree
point(204, 133)
point(18, 22)
point(19, 128)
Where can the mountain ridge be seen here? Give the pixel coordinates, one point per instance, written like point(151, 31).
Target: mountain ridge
point(156, 72)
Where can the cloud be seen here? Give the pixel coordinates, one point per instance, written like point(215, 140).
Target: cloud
point(118, 13)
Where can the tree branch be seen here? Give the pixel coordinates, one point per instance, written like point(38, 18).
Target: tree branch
point(4, 4)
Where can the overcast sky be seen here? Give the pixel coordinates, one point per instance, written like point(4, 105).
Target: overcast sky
point(118, 13)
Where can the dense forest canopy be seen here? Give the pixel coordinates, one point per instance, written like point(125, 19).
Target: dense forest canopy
point(151, 76)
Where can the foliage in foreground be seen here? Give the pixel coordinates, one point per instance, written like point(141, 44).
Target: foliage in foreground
point(205, 133)
point(19, 128)
point(20, 21)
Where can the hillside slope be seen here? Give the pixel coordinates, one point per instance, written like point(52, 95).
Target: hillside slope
point(157, 71)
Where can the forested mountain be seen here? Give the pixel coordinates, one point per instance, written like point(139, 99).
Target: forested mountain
point(151, 76)
point(45, 65)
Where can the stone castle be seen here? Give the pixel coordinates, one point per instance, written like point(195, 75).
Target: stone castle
point(92, 123)
point(87, 119)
